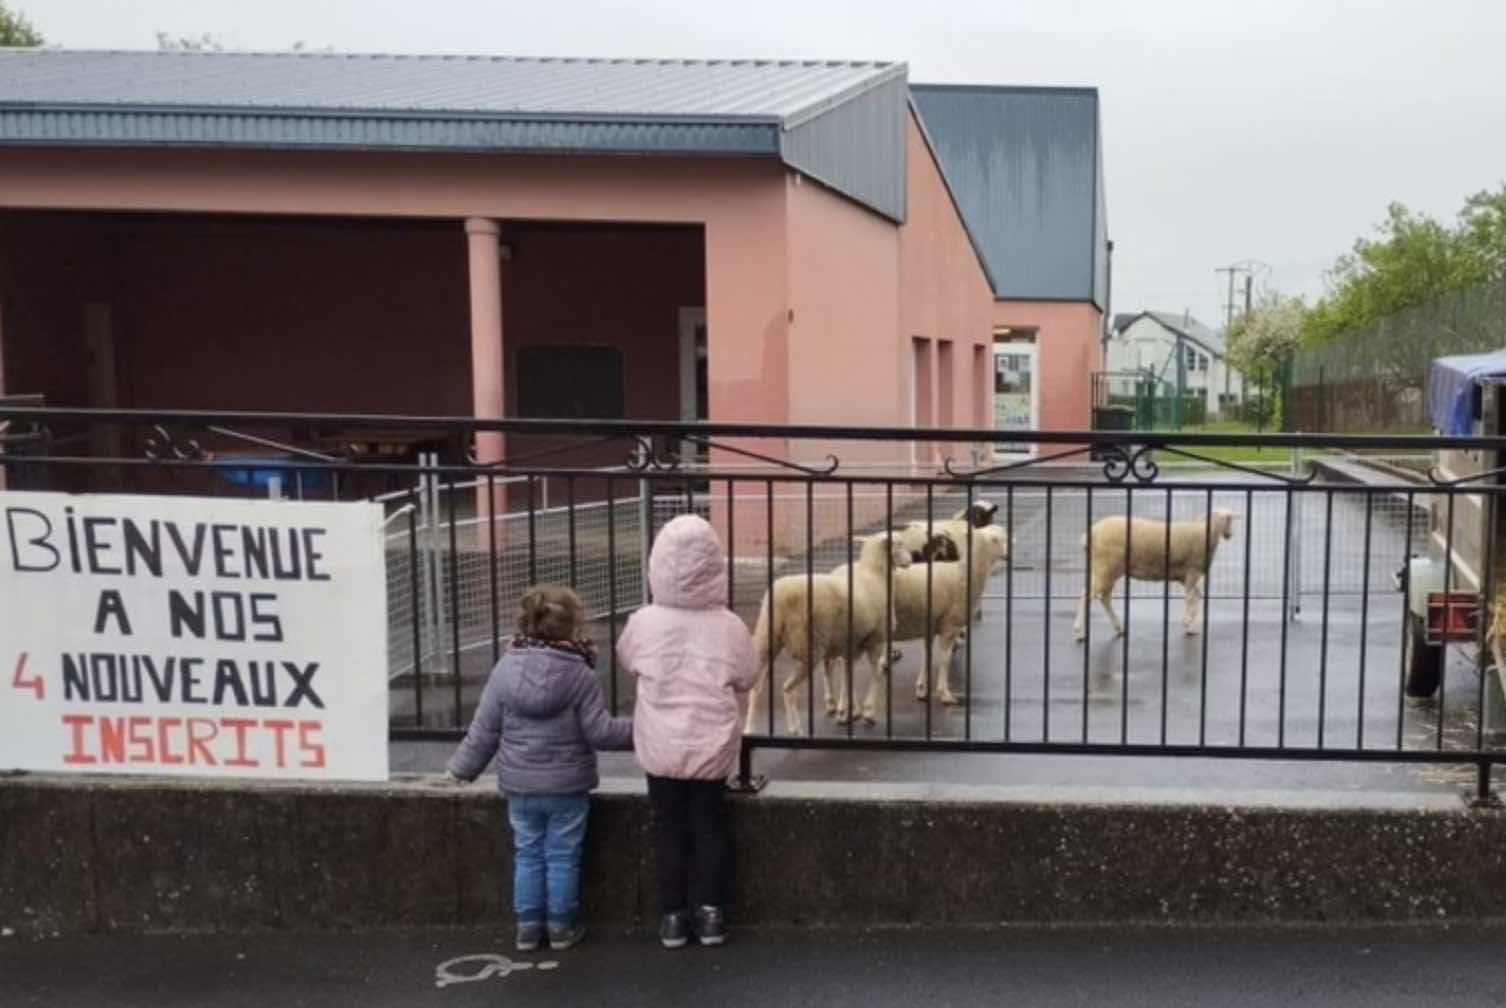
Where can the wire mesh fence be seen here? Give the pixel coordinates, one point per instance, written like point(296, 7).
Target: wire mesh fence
point(1373, 380)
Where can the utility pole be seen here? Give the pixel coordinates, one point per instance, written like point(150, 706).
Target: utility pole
point(1247, 268)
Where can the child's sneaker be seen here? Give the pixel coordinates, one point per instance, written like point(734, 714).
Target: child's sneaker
point(710, 927)
point(674, 930)
point(529, 936)
point(562, 936)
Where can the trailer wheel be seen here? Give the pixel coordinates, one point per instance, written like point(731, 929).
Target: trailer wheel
point(1424, 660)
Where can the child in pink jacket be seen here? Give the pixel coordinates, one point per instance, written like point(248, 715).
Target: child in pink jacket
point(695, 665)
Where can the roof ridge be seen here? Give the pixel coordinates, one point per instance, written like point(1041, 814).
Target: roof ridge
point(316, 54)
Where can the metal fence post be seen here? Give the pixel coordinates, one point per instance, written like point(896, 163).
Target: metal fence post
point(645, 535)
point(433, 566)
point(1294, 541)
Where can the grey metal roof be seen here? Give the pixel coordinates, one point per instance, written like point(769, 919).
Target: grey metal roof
point(1026, 165)
point(833, 120)
point(1176, 322)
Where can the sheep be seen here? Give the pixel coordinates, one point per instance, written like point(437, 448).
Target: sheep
point(782, 623)
point(1193, 544)
point(949, 591)
point(920, 536)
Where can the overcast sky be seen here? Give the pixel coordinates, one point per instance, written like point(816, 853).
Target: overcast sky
point(1274, 131)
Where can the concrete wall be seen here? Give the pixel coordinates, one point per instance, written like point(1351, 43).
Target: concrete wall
point(121, 855)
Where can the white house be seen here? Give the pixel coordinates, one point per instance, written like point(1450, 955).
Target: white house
point(1149, 341)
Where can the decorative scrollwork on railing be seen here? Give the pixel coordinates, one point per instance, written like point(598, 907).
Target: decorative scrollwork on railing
point(832, 461)
point(948, 466)
point(645, 456)
point(1120, 464)
point(164, 445)
point(1436, 477)
point(1297, 479)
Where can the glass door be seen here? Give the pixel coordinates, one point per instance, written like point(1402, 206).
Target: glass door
point(1017, 395)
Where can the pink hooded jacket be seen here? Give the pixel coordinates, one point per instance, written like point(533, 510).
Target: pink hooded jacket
point(693, 658)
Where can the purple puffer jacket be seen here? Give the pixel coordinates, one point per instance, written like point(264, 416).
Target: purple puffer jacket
point(544, 708)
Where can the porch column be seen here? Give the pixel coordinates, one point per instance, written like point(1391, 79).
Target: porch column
point(487, 378)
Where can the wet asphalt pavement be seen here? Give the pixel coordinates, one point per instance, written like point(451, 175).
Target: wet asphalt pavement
point(1123, 967)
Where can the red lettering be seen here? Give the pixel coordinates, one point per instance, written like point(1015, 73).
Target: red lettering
point(166, 755)
point(143, 750)
point(313, 749)
point(78, 722)
point(35, 683)
point(198, 752)
point(281, 728)
point(240, 726)
point(112, 740)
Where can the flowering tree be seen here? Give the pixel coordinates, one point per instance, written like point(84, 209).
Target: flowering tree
point(1263, 341)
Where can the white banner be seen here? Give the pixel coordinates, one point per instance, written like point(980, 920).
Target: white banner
point(194, 636)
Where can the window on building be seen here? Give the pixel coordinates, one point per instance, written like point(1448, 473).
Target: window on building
point(570, 383)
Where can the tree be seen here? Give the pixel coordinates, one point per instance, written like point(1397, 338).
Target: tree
point(1263, 341)
point(15, 30)
point(1416, 260)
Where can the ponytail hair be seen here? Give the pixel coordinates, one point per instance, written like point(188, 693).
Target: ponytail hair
point(551, 612)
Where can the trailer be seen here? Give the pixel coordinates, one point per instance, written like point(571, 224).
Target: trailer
point(1449, 586)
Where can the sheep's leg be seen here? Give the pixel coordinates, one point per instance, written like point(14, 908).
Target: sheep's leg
point(921, 686)
point(835, 697)
point(944, 668)
point(1192, 611)
point(792, 699)
point(1078, 624)
point(765, 670)
point(878, 674)
point(1106, 597)
point(841, 683)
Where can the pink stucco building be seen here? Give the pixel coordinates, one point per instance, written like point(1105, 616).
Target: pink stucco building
point(740, 241)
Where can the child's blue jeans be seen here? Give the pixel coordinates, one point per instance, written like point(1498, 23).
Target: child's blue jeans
point(548, 835)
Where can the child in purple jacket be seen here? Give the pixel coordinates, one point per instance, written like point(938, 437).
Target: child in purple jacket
point(543, 706)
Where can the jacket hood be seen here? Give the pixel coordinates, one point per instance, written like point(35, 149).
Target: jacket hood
point(686, 569)
point(543, 683)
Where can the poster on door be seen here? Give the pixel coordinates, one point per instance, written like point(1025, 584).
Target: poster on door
point(192, 636)
point(1014, 399)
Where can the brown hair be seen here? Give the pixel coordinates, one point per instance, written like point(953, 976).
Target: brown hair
point(550, 612)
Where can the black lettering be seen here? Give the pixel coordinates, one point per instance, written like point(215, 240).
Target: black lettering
point(39, 538)
point(269, 620)
point(263, 691)
point(111, 604)
point(130, 682)
point(303, 684)
point(312, 556)
point(228, 677)
point(72, 539)
point(75, 677)
point(224, 629)
point(293, 570)
point(181, 614)
point(143, 549)
point(162, 683)
point(222, 552)
point(188, 670)
point(254, 552)
point(106, 686)
point(95, 548)
point(192, 559)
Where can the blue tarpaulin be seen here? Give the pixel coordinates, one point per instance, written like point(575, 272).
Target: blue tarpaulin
point(1451, 389)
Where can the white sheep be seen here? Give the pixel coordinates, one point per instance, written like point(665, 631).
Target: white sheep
point(825, 637)
point(946, 602)
point(1192, 543)
point(947, 538)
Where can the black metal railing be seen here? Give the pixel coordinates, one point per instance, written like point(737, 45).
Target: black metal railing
point(1300, 648)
